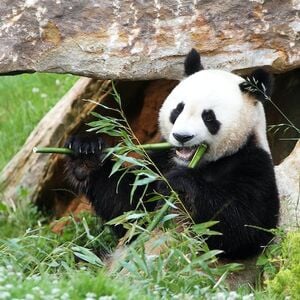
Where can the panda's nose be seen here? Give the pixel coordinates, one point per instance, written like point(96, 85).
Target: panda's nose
point(182, 138)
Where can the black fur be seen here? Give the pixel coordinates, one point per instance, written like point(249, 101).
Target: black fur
point(192, 63)
point(182, 138)
point(239, 191)
point(258, 84)
point(176, 112)
point(210, 121)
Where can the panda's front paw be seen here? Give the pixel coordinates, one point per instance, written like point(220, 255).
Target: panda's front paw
point(85, 146)
point(87, 157)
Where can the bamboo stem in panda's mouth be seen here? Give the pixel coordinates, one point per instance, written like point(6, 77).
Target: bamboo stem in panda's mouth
point(147, 147)
point(197, 155)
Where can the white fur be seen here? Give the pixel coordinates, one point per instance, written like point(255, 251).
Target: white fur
point(239, 114)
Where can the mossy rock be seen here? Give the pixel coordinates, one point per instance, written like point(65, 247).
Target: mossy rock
point(286, 282)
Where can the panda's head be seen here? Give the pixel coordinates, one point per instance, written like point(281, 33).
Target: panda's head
point(214, 107)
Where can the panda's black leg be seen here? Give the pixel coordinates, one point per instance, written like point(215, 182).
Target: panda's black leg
point(239, 205)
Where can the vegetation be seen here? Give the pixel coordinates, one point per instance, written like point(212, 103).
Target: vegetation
point(286, 283)
point(24, 100)
point(35, 263)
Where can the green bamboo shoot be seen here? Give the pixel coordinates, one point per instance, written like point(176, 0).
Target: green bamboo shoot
point(67, 151)
point(197, 156)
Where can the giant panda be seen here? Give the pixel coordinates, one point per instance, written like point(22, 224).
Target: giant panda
point(234, 183)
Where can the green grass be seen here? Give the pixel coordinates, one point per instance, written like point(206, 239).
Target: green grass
point(285, 283)
point(35, 263)
point(24, 100)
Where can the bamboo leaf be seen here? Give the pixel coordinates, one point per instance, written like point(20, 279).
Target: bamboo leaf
point(116, 167)
point(135, 216)
point(145, 181)
point(131, 160)
point(169, 217)
point(87, 255)
point(202, 227)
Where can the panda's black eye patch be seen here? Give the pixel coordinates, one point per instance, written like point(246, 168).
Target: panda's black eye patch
point(210, 121)
point(176, 112)
point(208, 115)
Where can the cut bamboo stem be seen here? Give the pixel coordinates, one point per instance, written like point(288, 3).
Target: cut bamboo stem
point(197, 156)
point(67, 151)
point(53, 150)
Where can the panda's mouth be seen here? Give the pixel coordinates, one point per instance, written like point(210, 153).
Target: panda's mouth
point(186, 153)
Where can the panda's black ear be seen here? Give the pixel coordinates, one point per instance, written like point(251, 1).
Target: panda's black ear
point(192, 63)
point(259, 84)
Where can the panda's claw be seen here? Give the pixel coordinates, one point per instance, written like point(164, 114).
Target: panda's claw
point(92, 150)
point(85, 147)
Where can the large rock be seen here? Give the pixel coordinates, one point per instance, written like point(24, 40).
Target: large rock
point(288, 181)
point(137, 39)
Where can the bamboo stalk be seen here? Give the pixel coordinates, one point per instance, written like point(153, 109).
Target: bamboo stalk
point(67, 151)
point(53, 150)
point(163, 210)
point(197, 156)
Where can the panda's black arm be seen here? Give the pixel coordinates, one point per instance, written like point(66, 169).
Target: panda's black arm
point(109, 195)
point(239, 192)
